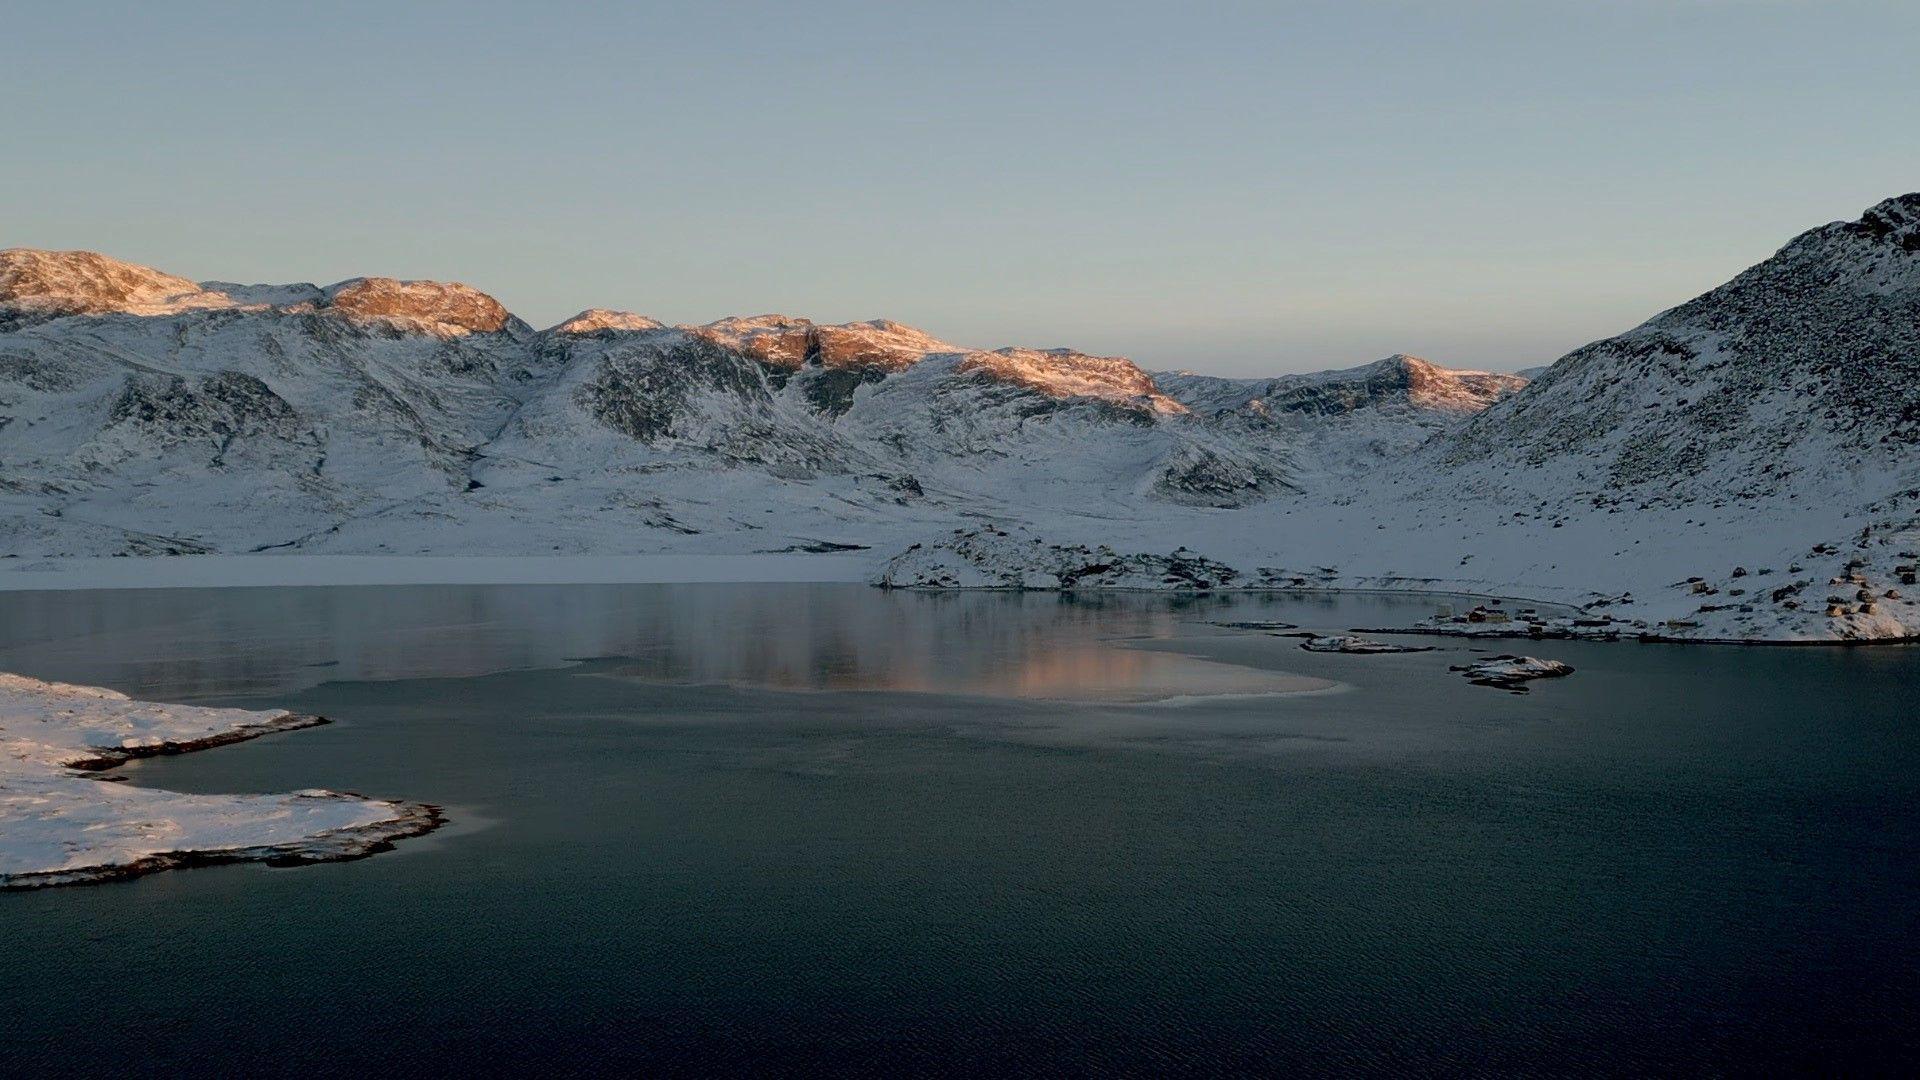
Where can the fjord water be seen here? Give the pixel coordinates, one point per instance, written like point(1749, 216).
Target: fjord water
point(710, 829)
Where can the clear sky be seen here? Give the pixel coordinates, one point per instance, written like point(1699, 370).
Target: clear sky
point(1233, 188)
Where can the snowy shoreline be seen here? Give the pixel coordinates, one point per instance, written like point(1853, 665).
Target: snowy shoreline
point(1657, 596)
point(63, 823)
point(270, 571)
point(1564, 617)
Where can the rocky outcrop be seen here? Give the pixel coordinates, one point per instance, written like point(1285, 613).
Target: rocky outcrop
point(686, 395)
point(1220, 474)
point(993, 558)
point(214, 411)
point(646, 390)
point(825, 364)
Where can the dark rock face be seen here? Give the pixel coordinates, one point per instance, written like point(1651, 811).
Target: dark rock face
point(433, 303)
point(644, 390)
point(994, 558)
point(1894, 223)
point(1330, 398)
point(1204, 476)
point(831, 390)
point(217, 409)
point(36, 371)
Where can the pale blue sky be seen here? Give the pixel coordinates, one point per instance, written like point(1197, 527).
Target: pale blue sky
point(1235, 188)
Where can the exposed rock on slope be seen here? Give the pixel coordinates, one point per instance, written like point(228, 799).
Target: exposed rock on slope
point(826, 364)
point(438, 307)
point(48, 283)
point(1063, 373)
point(594, 320)
point(788, 343)
point(672, 396)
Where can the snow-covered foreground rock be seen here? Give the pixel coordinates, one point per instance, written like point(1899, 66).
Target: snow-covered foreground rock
point(60, 825)
point(1743, 467)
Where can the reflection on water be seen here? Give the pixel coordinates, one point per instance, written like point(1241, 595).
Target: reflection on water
point(1057, 671)
point(180, 644)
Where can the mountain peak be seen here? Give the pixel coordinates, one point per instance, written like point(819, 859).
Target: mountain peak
point(596, 319)
point(86, 283)
point(1398, 381)
point(788, 342)
point(1895, 220)
point(447, 308)
point(1064, 373)
point(1887, 230)
point(1461, 390)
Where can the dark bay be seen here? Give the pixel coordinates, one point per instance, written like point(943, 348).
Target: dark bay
point(706, 829)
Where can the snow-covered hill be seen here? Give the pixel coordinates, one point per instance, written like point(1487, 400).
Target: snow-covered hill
point(1338, 424)
point(1760, 439)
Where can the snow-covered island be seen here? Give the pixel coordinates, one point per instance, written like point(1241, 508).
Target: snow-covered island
point(1510, 672)
point(1358, 646)
point(62, 823)
point(1742, 467)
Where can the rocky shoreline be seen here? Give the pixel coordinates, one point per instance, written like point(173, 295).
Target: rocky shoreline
point(342, 845)
point(119, 755)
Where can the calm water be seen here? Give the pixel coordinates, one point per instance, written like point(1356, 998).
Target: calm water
point(802, 828)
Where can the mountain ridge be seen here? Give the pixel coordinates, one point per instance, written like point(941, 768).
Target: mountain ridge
point(1767, 429)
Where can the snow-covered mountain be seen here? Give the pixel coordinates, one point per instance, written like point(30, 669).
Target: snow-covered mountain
point(1742, 466)
point(142, 413)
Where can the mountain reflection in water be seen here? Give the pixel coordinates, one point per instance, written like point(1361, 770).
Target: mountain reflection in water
point(179, 644)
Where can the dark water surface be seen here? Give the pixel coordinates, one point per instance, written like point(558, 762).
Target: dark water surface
point(787, 829)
